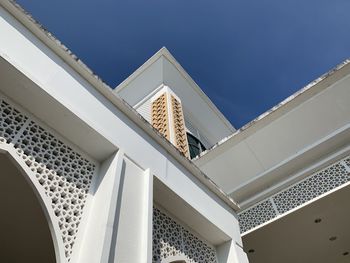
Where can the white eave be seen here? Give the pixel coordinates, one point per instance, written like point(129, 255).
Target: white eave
point(291, 102)
point(295, 134)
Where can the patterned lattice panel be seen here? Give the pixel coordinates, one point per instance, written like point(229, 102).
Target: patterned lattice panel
point(11, 121)
point(179, 127)
point(296, 195)
point(170, 238)
point(64, 174)
point(160, 119)
point(347, 163)
point(256, 215)
point(311, 188)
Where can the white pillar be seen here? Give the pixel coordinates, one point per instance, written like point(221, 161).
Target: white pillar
point(98, 238)
point(133, 226)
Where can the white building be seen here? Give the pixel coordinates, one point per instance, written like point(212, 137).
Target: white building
point(140, 173)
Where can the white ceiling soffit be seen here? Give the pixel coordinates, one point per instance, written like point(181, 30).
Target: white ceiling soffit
point(169, 200)
point(315, 233)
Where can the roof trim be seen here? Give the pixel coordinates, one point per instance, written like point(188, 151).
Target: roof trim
point(73, 61)
point(288, 104)
point(164, 52)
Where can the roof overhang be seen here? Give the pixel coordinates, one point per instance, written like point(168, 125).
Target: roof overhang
point(308, 126)
point(296, 237)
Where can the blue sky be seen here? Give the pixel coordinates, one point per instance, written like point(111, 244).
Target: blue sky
point(247, 55)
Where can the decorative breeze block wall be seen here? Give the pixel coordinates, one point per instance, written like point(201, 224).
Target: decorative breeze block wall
point(64, 174)
point(170, 238)
point(296, 195)
point(256, 215)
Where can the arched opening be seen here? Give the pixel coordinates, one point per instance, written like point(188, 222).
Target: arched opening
point(24, 231)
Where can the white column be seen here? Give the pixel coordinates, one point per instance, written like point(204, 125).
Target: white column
point(132, 243)
point(98, 238)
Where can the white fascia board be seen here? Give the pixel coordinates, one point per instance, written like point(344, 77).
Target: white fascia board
point(287, 105)
point(103, 89)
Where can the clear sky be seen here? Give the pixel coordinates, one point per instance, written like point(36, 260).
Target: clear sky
point(247, 55)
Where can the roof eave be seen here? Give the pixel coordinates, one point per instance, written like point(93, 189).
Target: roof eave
point(288, 104)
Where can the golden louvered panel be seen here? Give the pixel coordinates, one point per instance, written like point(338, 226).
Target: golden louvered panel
point(179, 127)
point(160, 115)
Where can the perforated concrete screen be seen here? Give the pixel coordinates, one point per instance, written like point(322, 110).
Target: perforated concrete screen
point(64, 174)
point(170, 239)
point(296, 195)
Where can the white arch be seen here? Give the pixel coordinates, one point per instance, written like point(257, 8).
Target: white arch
point(43, 199)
